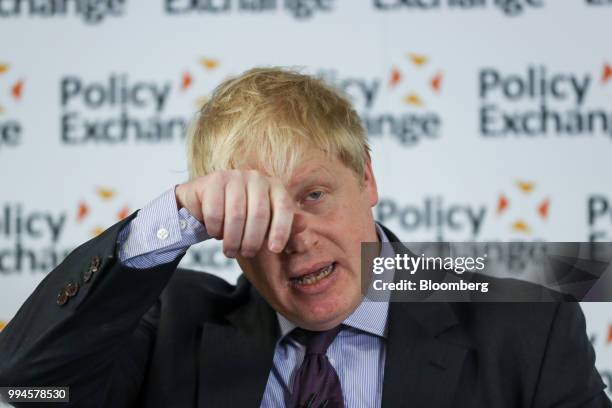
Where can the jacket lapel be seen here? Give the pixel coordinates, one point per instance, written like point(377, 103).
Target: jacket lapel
point(426, 350)
point(236, 356)
point(425, 356)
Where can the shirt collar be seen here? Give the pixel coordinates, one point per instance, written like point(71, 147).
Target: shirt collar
point(369, 316)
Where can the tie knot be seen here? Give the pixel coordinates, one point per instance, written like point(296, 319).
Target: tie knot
point(316, 342)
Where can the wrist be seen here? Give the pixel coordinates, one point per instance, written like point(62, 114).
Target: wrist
point(178, 195)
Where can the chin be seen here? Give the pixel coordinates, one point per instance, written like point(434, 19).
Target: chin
point(323, 304)
point(327, 312)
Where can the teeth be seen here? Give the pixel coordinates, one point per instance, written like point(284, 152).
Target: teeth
point(315, 277)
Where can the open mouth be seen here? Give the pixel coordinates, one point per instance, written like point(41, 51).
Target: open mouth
point(314, 277)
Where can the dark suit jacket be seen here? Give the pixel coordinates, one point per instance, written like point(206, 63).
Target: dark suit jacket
point(156, 338)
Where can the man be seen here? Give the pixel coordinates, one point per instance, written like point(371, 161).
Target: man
point(281, 172)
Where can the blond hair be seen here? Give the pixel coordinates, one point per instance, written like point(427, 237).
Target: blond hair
point(270, 117)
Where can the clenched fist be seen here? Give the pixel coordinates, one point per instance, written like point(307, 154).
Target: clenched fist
point(243, 208)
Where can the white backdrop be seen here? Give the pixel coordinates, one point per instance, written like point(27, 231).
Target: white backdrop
point(489, 120)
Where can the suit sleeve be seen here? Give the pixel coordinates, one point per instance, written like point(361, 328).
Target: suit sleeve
point(96, 339)
point(568, 377)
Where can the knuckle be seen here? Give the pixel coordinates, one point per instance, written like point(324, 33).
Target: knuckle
point(255, 178)
point(216, 177)
point(236, 217)
point(249, 248)
point(213, 204)
point(213, 218)
point(260, 212)
point(236, 208)
point(230, 251)
point(199, 182)
point(229, 246)
point(253, 174)
point(234, 174)
point(214, 213)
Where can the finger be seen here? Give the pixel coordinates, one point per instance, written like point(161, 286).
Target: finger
point(258, 215)
point(213, 205)
point(235, 215)
point(282, 217)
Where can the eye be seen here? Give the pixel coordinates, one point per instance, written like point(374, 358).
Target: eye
point(315, 195)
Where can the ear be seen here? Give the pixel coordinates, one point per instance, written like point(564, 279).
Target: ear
point(369, 184)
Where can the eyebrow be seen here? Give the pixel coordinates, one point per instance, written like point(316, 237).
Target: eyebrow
point(308, 177)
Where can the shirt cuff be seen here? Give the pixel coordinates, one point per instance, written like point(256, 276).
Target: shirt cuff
point(159, 233)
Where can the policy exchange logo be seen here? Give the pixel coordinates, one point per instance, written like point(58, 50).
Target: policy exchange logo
point(11, 94)
point(540, 101)
point(121, 108)
point(414, 84)
point(398, 103)
point(523, 207)
point(430, 81)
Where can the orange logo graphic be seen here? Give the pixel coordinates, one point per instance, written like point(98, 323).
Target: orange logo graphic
point(188, 78)
point(524, 189)
point(413, 99)
point(17, 89)
point(16, 85)
point(2, 325)
point(82, 211)
point(607, 73)
point(418, 62)
point(105, 194)
point(104, 203)
point(610, 334)
point(436, 82)
point(502, 204)
point(186, 82)
point(396, 77)
point(209, 63)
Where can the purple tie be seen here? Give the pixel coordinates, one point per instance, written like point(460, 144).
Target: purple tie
point(316, 383)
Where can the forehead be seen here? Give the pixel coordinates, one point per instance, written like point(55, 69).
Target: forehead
point(312, 165)
point(313, 169)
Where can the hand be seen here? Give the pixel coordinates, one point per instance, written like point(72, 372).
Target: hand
point(243, 208)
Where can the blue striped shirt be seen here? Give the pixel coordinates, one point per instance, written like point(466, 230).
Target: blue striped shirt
point(160, 233)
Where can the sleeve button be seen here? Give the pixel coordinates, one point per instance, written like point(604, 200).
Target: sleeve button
point(95, 263)
point(71, 289)
point(62, 298)
point(162, 233)
point(87, 275)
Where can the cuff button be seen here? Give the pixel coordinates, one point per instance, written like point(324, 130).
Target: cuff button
point(162, 233)
point(95, 261)
point(71, 289)
point(62, 298)
point(87, 275)
point(94, 265)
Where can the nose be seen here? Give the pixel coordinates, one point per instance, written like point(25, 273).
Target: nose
point(302, 237)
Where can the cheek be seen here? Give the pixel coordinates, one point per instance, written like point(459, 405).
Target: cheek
point(265, 273)
point(352, 226)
